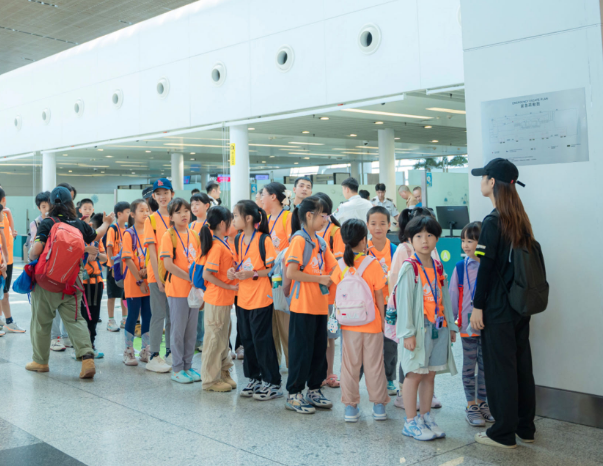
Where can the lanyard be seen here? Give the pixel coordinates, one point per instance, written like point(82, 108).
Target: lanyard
point(434, 292)
point(224, 243)
point(274, 224)
point(161, 217)
point(322, 261)
point(326, 229)
point(139, 245)
point(247, 250)
point(187, 243)
point(468, 282)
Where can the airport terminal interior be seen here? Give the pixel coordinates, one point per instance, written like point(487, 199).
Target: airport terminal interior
point(119, 98)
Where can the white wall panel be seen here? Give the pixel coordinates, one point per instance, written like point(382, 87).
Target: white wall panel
point(78, 129)
point(119, 53)
point(516, 19)
point(45, 135)
point(272, 16)
point(118, 122)
point(79, 67)
point(215, 26)
point(15, 87)
point(394, 67)
point(303, 86)
point(158, 114)
point(231, 100)
point(440, 42)
point(341, 7)
point(164, 39)
point(11, 143)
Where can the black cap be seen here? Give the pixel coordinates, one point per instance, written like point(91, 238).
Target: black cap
point(147, 192)
point(60, 195)
point(501, 170)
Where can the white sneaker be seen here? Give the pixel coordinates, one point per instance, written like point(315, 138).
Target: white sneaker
point(129, 357)
point(157, 364)
point(168, 360)
point(57, 345)
point(122, 324)
point(67, 343)
point(233, 355)
point(144, 355)
point(2, 332)
point(2, 321)
point(112, 326)
point(435, 403)
point(429, 419)
point(13, 328)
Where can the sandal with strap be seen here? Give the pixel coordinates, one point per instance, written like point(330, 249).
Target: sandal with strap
point(332, 381)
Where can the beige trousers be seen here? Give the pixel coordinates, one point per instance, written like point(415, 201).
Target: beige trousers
point(362, 349)
point(215, 357)
point(280, 332)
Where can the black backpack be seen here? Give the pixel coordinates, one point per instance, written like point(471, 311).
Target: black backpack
point(262, 245)
point(529, 293)
point(104, 239)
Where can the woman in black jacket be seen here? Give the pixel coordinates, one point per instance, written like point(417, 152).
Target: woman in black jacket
point(505, 334)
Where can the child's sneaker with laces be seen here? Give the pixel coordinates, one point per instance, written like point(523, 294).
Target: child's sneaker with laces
point(484, 409)
point(352, 414)
point(145, 355)
point(57, 345)
point(130, 357)
point(299, 404)
point(98, 354)
point(122, 324)
point(112, 326)
point(391, 388)
point(417, 429)
point(379, 413)
point(251, 388)
point(268, 392)
point(435, 403)
point(317, 399)
point(474, 416)
point(194, 375)
point(429, 419)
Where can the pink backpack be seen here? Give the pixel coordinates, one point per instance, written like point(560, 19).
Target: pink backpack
point(354, 299)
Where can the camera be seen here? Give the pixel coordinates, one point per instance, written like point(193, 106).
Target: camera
point(365, 143)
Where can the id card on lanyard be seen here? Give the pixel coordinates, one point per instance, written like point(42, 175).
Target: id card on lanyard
point(439, 320)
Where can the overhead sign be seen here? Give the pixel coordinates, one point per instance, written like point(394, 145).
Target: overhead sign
point(223, 179)
point(429, 179)
point(232, 154)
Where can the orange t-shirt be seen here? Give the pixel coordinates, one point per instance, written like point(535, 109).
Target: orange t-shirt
point(114, 239)
point(385, 260)
point(132, 290)
point(154, 237)
point(280, 230)
point(428, 301)
point(9, 238)
point(187, 250)
point(376, 280)
point(308, 299)
point(254, 294)
point(93, 267)
point(338, 248)
point(197, 225)
point(219, 259)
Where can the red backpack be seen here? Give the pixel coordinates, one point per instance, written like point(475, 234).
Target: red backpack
point(59, 264)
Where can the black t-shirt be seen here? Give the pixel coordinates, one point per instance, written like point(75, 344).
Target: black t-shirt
point(494, 252)
point(46, 225)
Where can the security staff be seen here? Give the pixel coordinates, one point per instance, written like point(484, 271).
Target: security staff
point(381, 201)
point(355, 207)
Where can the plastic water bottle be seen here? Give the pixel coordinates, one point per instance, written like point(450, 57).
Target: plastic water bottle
point(277, 281)
point(391, 316)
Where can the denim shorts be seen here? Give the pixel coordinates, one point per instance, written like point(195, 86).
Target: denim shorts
point(436, 350)
point(337, 334)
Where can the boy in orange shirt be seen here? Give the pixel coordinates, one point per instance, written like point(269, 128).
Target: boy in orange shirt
point(113, 245)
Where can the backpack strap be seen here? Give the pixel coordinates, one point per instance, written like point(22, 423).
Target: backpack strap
point(392, 250)
point(153, 223)
point(334, 230)
point(460, 274)
point(263, 247)
point(285, 217)
point(365, 263)
point(439, 268)
point(415, 267)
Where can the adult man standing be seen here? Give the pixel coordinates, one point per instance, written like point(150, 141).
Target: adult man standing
point(404, 192)
point(213, 191)
point(382, 201)
point(355, 207)
point(417, 194)
point(302, 188)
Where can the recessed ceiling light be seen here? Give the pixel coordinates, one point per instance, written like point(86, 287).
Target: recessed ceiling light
point(308, 143)
point(367, 147)
point(434, 140)
point(192, 153)
point(305, 132)
point(427, 127)
point(65, 155)
point(446, 110)
point(251, 129)
point(109, 156)
point(307, 158)
point(396, 138)
point(263, 161)
point(353, 135)
point(102, 172)
point(378, 122)
point(70, 171)
point(192, 158)
point(376, 112)
point(295, 163)
point(324, 118)
point(100, 150)
point(148, 151)
point(272, 156)
point(266, 145)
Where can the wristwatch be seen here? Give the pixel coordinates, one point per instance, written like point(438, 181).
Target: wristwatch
point(255, 275)
point(140, 282)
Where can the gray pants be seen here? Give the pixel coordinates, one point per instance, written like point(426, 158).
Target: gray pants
point(390, 358)
point(58, 328)
point(183, 333)
point(160, 316)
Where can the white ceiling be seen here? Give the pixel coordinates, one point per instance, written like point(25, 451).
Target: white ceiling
point(34, 29)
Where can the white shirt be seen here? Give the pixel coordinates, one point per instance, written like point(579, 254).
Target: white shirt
point(355, 207)
point(388, 204)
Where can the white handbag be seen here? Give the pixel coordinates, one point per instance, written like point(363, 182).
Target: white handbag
point(195, 298)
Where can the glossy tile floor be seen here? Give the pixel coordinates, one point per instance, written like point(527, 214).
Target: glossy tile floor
point(129, 416)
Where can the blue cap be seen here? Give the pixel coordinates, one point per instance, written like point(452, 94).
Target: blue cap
point(60, 195)
point(162, 183)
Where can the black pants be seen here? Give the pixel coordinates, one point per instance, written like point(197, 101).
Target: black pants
point(509, 380)
point(255, 330)
point(94, 295)
point(307, 352)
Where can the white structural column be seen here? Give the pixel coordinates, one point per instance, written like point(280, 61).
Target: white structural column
point(355, 169)
point(49, 171)
point(387, 161)
point(239, 164)
point(204, 179)
point(177, 172)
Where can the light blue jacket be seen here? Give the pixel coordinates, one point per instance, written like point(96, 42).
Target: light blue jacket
point(410, 321)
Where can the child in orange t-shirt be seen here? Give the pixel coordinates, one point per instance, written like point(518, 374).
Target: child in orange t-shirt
point(177, 259)
point(218, 258)
point(309, 307)
point(254, 302)
point(200, 204)
point(136, 287)
point(362, 345)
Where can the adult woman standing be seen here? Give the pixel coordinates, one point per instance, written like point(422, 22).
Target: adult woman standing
point(505, 334)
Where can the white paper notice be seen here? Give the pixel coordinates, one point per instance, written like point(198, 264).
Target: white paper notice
point(536, 129)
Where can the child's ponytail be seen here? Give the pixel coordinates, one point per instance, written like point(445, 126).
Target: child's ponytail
point(353, 232)
point(206, 238)
point(257, 214)
point(215, 216)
